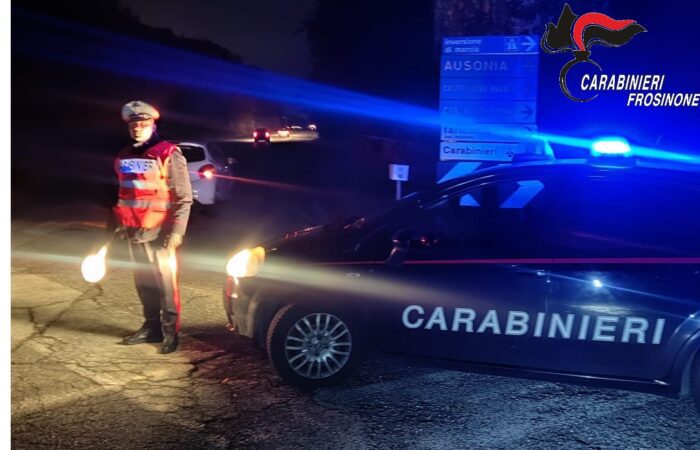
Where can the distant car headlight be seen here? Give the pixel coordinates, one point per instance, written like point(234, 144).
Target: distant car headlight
point(246, 263)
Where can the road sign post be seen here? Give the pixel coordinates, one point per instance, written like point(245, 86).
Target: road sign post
point(398, 173)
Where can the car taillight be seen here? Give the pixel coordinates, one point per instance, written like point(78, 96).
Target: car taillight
point(267, 134)
point(255, 134)
point(207, 171)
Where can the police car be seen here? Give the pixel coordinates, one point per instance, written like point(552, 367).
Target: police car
point(572, 271)
point(210, 172)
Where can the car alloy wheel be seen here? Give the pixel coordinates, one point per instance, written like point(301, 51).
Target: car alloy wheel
point(318, 346)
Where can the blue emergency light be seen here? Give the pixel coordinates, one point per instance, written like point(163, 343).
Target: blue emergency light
point(611, 146)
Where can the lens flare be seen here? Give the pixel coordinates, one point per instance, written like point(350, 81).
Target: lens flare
point(172, 262)
point(94, 267)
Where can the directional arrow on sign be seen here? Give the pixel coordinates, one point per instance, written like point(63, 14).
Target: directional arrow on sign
point(526, 111)
point(528, 43)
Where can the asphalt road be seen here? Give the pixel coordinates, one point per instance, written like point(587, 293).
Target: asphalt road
point(74, 387)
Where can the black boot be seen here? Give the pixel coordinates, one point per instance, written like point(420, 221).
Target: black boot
point(143, 335)
point(169, 344)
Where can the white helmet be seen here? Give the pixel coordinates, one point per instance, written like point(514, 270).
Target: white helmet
point(138, 110)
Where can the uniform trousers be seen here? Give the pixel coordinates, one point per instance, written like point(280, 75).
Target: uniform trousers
point(156, 278)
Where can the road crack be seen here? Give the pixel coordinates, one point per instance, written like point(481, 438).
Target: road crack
point(40, 329)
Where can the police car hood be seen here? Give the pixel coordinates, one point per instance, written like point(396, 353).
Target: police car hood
point(314, 244)
point(338, 241)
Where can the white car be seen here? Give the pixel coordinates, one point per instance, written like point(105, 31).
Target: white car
point(210, 171)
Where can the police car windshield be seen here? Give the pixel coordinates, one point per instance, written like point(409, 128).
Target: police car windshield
point(411, 200)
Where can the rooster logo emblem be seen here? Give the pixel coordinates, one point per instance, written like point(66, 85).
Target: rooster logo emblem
point(578, 34)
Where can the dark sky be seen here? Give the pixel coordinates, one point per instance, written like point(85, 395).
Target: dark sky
point(262, 32)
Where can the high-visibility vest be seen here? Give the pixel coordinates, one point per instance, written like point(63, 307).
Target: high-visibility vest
point(144, 197)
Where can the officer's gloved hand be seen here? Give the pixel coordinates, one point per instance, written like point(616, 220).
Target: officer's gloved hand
point(118, 232)
point(174, 240)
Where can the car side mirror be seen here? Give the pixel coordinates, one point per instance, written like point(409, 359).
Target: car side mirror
point(397, 256)
point(401, 244)
point(404, 241)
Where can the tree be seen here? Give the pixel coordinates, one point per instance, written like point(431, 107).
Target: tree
point(501, 17)
point(384, 48)
point(110, 15)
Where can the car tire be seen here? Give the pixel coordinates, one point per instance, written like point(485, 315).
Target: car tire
point(695, 381)
point(332, 348)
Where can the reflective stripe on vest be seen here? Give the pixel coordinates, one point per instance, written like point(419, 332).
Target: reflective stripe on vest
point(160, 205)
point(139, 184)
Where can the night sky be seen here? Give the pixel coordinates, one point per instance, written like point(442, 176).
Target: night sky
point(263, 32)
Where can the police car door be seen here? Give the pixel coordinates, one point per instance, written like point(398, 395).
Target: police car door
point(626, 291)
point(475, 288)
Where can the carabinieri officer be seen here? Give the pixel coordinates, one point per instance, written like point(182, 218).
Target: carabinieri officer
point(155, 198)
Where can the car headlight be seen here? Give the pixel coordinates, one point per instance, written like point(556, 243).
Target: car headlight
point(246, 263)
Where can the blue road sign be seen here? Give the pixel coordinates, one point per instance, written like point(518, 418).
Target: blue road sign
point(491, 66)
point(491, 44)
point(486, 89)
point(478, 151)
point(487, 132)
point(488, 96)
point(460, 111)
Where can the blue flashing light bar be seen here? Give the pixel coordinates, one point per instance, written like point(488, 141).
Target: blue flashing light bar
point(636, 150)
point(616, 146)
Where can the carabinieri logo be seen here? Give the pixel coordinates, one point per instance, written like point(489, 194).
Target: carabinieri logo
point(578, 34)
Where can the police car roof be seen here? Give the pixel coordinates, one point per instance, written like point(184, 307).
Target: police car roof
point(680, 172)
